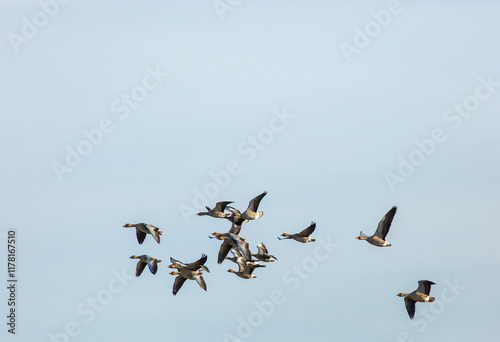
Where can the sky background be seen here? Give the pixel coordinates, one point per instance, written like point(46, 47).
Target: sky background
point(352, 119)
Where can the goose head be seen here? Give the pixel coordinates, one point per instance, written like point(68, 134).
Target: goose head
point(218, 236)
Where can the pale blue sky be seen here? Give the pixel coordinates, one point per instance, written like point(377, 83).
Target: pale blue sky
point(269, 92)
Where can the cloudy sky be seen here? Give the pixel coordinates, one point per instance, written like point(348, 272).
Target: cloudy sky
point(146, 111)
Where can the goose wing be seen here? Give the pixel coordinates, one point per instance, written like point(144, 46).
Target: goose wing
point(140, 236)
point(235, 219)
point(140, 267)
point(308, 231)
point(199, 279)
point(236, 252)
point(238, 221)
point(253, 205)
point(244, 247)
point(235, 228)
point(250, 268)
point(177, 262)
point(233, 210)
point(153, 265)
point(410, 307)
point(424, 286)
point(265, 257)
point(155, 231)
point(385, 223)
point(242, 264)
point(223, 251)
point(198, 263)
point(179, 281)
point(221, 206)
point(262, 248)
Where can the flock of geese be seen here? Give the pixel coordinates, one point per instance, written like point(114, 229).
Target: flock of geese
point(248, 262)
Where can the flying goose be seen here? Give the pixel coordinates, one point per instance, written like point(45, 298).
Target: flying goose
point(303, 236)
point(193, 266)
point(251, 212)
point(143, 261)
point(237, 255)
point(263, 254)
point(218, 211)
point(245, 270)
point(191, 271)
point(421, 294)
point(235, 219)
point(231, 240)
point(378, 239)
point(142, 229)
